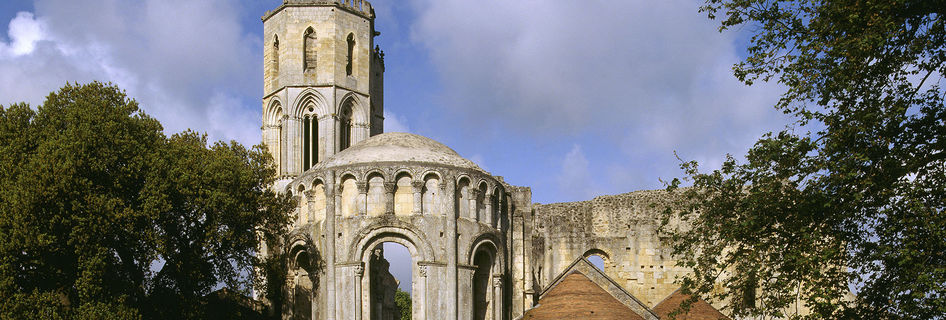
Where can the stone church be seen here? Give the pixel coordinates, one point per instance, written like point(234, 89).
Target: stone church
point(480, 248)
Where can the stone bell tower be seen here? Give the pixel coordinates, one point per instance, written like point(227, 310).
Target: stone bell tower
point(322, 81)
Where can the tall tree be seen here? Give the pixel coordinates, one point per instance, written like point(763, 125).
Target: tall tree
point(848, 199)
point(103, 216)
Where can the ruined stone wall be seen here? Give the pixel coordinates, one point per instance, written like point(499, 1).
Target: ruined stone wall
point(622, 229)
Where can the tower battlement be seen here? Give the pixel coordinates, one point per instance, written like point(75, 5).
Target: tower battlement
point(359, 7)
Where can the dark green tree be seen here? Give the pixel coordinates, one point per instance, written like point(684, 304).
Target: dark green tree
point(403, 301)
point(104, 217)
point(849, 198)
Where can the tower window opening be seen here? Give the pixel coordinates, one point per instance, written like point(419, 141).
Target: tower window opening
point(310, 44)
point(351, 49)
point(272, 67)
point(345, 128)
point(310, 141)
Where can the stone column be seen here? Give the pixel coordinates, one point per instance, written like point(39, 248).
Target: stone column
point(449, 209)
point(362, 201)
point(332, 197)
point(389, 188)
point(488, 219)
point(422, 277)
point(498, 297)
point(418, 188)
point(474, 211)
point(359, 273)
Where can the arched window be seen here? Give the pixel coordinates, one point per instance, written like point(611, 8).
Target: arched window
point(404, 196)
point(345, 127)
point(272, 65)
point(431, 195)
point(351, 50)
point(309, 47)
point(463, 198)
point(375, 205)
point(310, 138)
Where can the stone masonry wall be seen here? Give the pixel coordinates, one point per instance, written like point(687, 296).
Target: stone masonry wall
point(622, 229)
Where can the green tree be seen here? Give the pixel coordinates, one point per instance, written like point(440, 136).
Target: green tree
point(103, 216)
point(850, 197)
point(403, 301)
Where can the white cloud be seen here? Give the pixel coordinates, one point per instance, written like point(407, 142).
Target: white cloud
point(184, 61)
point(395, 123)
point(24, 31)
point(575, 180)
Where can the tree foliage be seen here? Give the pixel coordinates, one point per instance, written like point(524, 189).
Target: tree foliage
point(848, 199)
point(103, 216)
point(403, 301)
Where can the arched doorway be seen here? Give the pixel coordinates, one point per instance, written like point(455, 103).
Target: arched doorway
point(483, 261)
point(387, 267)
point(302, 287)
point(486, 285)
point(390, 288)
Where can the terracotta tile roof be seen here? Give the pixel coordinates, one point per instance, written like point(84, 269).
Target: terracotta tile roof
point(699, 310)
point(577, 297)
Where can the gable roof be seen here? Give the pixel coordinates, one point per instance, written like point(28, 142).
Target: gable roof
point(585, 292)
point(699, 310)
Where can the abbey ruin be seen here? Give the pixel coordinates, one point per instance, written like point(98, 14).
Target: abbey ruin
point(480, 248)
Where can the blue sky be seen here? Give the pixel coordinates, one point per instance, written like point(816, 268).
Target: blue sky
point(572, 98)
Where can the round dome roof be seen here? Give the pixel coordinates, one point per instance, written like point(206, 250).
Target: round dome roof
point(398, 147)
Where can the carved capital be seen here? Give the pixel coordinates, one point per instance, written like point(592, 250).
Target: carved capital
point(422, 271)
point(359, 271)
point(362, 186)
point(309, 195)
point(417, 186)
point(389, 187)
point(497, 281)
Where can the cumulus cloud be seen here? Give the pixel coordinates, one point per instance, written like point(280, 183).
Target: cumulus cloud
point(24, 32)
point(646, 78)
point(188, 63)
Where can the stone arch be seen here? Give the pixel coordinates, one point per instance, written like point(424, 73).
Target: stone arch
point(360, 252)
point(274, 112)
point(316, 180)
point(390, 231)
point(605, 258)
point(310, 98)
point(484, 241)
point(373, 172)
point(359, 112)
